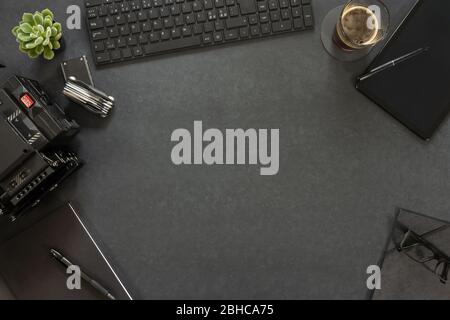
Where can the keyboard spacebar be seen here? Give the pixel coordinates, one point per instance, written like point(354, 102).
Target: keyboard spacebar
point(173, 45)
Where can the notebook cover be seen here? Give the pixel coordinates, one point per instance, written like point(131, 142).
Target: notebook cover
point(416, 91)
point(404, 279)
point(32, 274)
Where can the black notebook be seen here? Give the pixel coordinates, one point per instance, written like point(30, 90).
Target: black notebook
point(29, 272)
point(416, 91)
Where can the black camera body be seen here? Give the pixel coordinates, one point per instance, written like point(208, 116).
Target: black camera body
point(34, 158)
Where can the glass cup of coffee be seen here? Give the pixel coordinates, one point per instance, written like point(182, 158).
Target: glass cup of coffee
point(349, 32)
point(362, 24)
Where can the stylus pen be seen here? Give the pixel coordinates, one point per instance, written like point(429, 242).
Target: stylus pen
point(59, 257)
point(393, 63)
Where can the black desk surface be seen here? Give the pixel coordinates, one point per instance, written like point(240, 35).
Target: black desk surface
point(226, 232)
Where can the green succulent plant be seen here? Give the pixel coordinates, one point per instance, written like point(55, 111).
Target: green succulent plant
point(37, 34)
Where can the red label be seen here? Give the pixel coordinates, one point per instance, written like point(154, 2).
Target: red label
point(27, 100)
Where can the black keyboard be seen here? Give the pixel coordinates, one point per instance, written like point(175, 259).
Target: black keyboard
point(125, 30)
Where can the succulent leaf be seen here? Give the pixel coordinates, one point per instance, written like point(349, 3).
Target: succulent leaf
point(38, 18)
point(56, 45)
point(58, 26)
point(39, 49)
point(48, 53)
point(47, 13)
point(15, 30)
point(38, 41)
point(32, 54)
point(26, 27)
point(30, 45)
point(48, 22)
point(28, 17)
point(24, 37)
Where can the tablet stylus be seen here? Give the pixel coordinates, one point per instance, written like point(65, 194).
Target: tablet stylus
point(393, 63)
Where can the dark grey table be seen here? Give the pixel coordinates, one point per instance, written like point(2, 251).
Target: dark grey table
point(225, 231)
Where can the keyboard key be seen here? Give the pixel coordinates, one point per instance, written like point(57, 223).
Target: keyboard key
point(298, 24)
point(275, 15)
point(285, 14)
point(208, 4)
point(165, 35)
point(247, 6)
point(168, 22)
point(102, 58)
point(154, 36)
point(186, 7)
point(146, 26)
point(219, 3)
point(131, 17)
point(264, 17)
point(142, 16)
point(284, 4)
point(196, 6)
point(186, 31)
point(175, 10)
point(176, 33)
point(265, 28)
point(142, 39)
point(243, 32)
point(218, 37)
point(98, 46)
point(307, 15)
point(126, 53)
point(153, 13)
point(281, 26)
point(132, 41)
point(189, 18)
point(91, 3)
point(219, 25)
point(135, 28)
point(109, 22)
point(208, 26)
point(165, 12)
point(262, 6)
point(253, 19)
point(121, 43)
point(110, 44)
point(207, 38)
point(234, 11)
point(121, 19)
point(99, 35)
point(173, 45)
point(236, 22)
point(273, 4)
point(91, 13)
point(254, 30)
point(137, 52)
point(198, 29)
point(124, 30)
point(296, 12)
point(115, 55)
point(96, 24)
point(231, 35)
